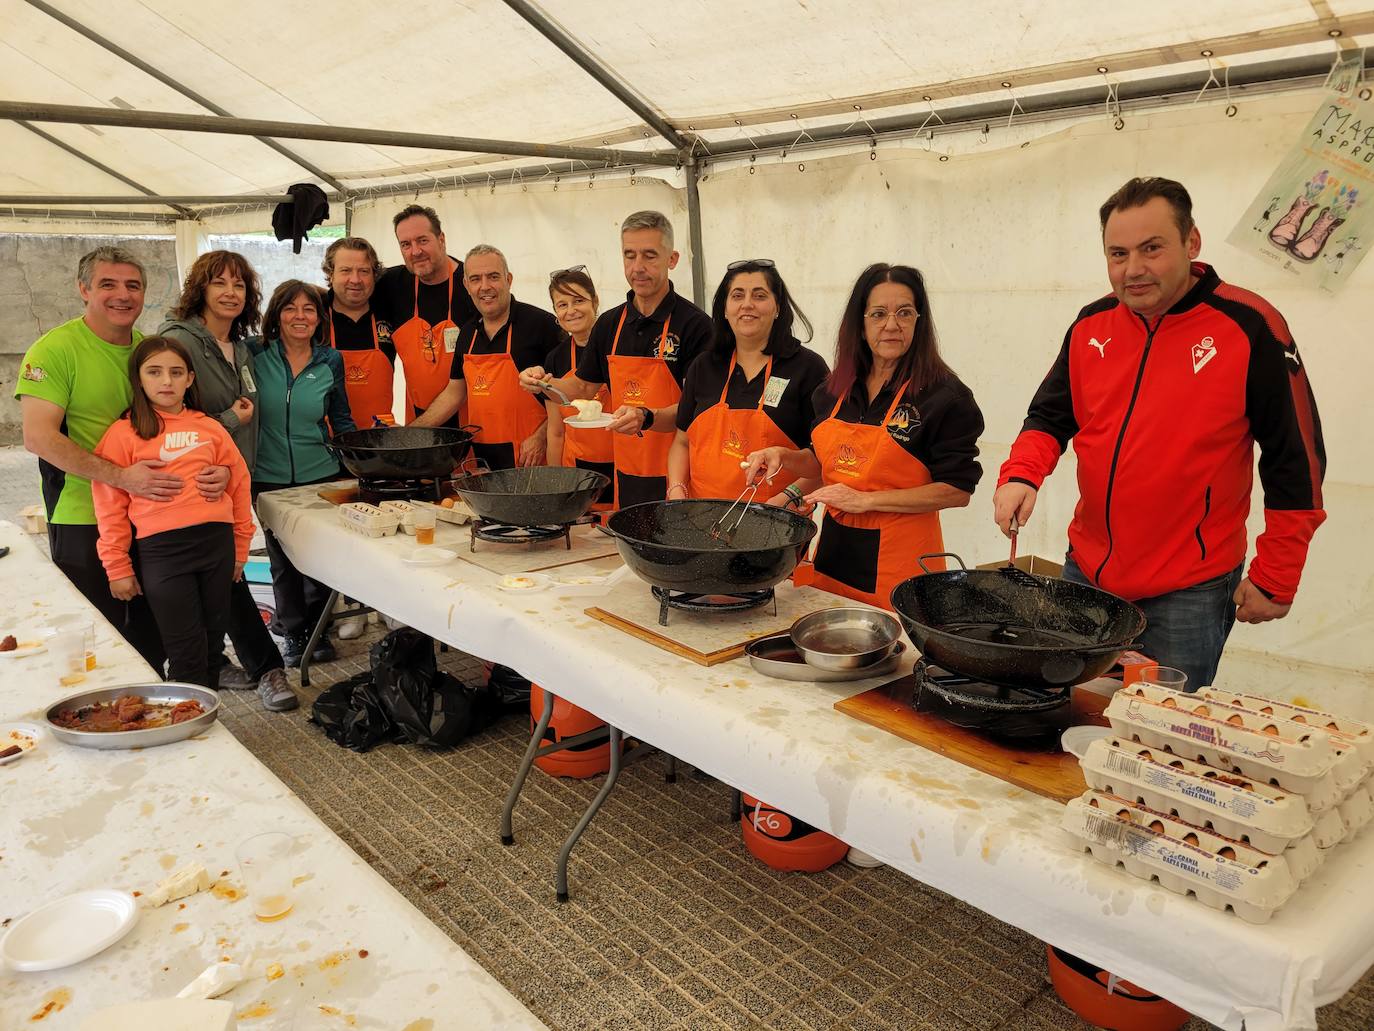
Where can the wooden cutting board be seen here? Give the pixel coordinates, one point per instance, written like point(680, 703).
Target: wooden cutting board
point(1054, 774)
point(707, 638)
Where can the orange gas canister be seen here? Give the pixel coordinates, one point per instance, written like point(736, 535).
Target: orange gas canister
point(784, 842)
point(579, 761)
point(1108, 1001)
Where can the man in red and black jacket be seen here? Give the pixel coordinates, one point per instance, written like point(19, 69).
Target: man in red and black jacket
point(1164, 387)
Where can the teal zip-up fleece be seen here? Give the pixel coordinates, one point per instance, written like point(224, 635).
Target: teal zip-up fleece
point(292, 426)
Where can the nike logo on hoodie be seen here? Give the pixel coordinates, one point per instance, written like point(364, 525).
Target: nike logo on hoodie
point(182, 442)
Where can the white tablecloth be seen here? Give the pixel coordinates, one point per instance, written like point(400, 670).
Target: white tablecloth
point(995, 846)
point(72, 819)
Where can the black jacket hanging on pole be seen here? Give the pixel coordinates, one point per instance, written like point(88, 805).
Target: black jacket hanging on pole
point(294, 221)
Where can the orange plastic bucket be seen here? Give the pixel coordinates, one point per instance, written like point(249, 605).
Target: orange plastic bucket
point(1107, 1001)
point(580, 761)
point(784, 842)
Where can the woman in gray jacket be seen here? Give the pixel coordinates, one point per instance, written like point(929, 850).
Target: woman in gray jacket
point(218, 308)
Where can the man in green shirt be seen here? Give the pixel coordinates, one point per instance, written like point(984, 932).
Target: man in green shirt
point(73, 383)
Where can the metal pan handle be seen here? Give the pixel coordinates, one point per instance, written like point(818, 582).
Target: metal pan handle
point(940, 554)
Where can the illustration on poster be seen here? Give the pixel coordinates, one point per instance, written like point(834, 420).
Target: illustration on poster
point(1288, 234)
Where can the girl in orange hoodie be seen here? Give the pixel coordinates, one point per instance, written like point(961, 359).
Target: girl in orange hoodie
point(189, 550)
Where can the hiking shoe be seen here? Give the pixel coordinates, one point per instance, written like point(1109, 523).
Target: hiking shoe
point(276, 693)
point(293, 647)
point(234, 678)
point(863, 860)
point(324, 651)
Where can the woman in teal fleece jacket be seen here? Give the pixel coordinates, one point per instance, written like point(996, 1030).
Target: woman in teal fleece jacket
point(301, 404)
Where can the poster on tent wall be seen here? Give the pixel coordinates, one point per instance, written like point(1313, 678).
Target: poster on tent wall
point(1314, 218)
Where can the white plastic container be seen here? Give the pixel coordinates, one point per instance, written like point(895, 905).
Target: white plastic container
point(1263, 747)
point(1120, 833)
point(368, 520)
point(1359, 732)
point(402, 510)
point(1268, 818)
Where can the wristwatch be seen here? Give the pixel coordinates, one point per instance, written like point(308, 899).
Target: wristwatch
point(648, 417)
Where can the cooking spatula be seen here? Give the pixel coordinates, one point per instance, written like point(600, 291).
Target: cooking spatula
point(1011, 569)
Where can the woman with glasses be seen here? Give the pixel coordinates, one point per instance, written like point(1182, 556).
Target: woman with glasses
point(573, 296)
point(752, 390)
point(896, 441)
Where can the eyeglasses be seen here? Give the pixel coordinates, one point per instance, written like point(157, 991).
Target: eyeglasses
point(755, 262)
point(906, 315)
point(427, 346)
point(556, 273)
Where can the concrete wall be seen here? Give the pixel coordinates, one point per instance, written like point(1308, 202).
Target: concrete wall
point(38, 289)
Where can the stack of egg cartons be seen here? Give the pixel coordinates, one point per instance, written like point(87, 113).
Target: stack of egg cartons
point(368, 520)
point(1231, 797)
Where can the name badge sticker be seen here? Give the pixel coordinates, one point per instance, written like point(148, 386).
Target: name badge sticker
point(450, 339)
point(246, 378)
point(773, 391)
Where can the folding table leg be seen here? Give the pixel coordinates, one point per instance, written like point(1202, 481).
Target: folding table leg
point(561, 873)
point(517, 785)
point(670, 770)
point(735, 805)
point(326, 617)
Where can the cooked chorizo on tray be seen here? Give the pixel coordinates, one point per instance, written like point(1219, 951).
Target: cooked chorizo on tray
point(129, 712)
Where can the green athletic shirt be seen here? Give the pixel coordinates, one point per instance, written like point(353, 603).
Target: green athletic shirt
point(89, 379)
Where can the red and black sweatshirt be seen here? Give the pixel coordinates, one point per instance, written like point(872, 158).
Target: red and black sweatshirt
point(1163, 420)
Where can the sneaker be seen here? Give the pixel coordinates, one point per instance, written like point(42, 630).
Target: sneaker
point(863, 860)
point(293, 647)
point(276, 693)
point(324, 651)
point(352, 627)
point(234, 678)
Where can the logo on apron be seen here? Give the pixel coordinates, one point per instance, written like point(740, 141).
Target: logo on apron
point(634, 392)
point(735, 446)
point(355, 374)
point(481, 385)
point(905, 418)
point(849, 461)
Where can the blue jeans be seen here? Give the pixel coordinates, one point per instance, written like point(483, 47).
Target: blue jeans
point(1187, 628)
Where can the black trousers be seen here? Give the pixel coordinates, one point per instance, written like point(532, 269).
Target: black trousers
point(186, 575)
point(72, 548)
point(300, 600)
point(253, 645)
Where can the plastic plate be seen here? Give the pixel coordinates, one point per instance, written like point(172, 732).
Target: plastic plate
point(600, 422)
point(69, 930)
point(27, 736)
point(1076, 740)
point(429, 556)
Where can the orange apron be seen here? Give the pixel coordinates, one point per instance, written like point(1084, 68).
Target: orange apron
point(589, 449)
point(368, 377)
point(865, 555)
point(424, 354)
point(641, 463)
point(721, 437)
point(505, 413)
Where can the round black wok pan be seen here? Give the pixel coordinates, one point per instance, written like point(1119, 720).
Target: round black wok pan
point(669, 544)
point(402, 452)
point(1015, 631)
point(541, 495)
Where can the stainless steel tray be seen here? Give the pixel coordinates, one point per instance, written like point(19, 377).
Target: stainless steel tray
point(776, 656)
point(170, 692)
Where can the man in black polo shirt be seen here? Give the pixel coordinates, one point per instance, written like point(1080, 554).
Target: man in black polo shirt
point(360, 335)
point(643, 349)
point(424, 302)
point(506, 336)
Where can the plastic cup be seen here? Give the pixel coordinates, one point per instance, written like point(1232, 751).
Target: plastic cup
point(424, 525)
point(76, 621)
point(1164, 676)
point(265, 861)
point(68, 649)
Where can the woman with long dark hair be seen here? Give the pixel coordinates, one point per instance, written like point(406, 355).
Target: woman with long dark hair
point(753, 389)
point(896, 441)
point(219, 308)
point(304, 402)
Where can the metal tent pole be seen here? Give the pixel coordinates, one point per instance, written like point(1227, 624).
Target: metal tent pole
point(60, 145)
point(693, 173)
point(151, 198)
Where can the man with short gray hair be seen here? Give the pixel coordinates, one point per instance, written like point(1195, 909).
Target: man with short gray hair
point(506, 336)
point(73, 383)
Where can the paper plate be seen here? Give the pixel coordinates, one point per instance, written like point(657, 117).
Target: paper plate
point(600, 422)
point(429, 556)
point(33, 642)
point(1076, 740)
point(27, 736)
point(69, 930)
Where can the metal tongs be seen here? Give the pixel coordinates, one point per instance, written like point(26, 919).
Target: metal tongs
point(549, 388)
point(1011, 570)
point(718, 530)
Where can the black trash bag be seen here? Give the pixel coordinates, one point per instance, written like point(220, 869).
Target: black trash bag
point(510, 688)
point(351, 714)
point(428, 707)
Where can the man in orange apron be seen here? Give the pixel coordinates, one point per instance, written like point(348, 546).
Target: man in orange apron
point(506, 335)
point(642, 349)
point(363, 340)
point(421, 303)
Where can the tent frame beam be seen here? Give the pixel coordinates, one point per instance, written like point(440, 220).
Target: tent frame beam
point(185, 91)
point(80, 156)
point(170, 200)
point(89, 215)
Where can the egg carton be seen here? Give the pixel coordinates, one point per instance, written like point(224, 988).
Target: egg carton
point(1359, 733)
point(369, 520)
point(1220, 873)
point(1348, 771)
point(404, 511)
point(1329, 830)
point(459, 513)
point(1356, 811)
point(1248, 742)
point(1255, 812)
